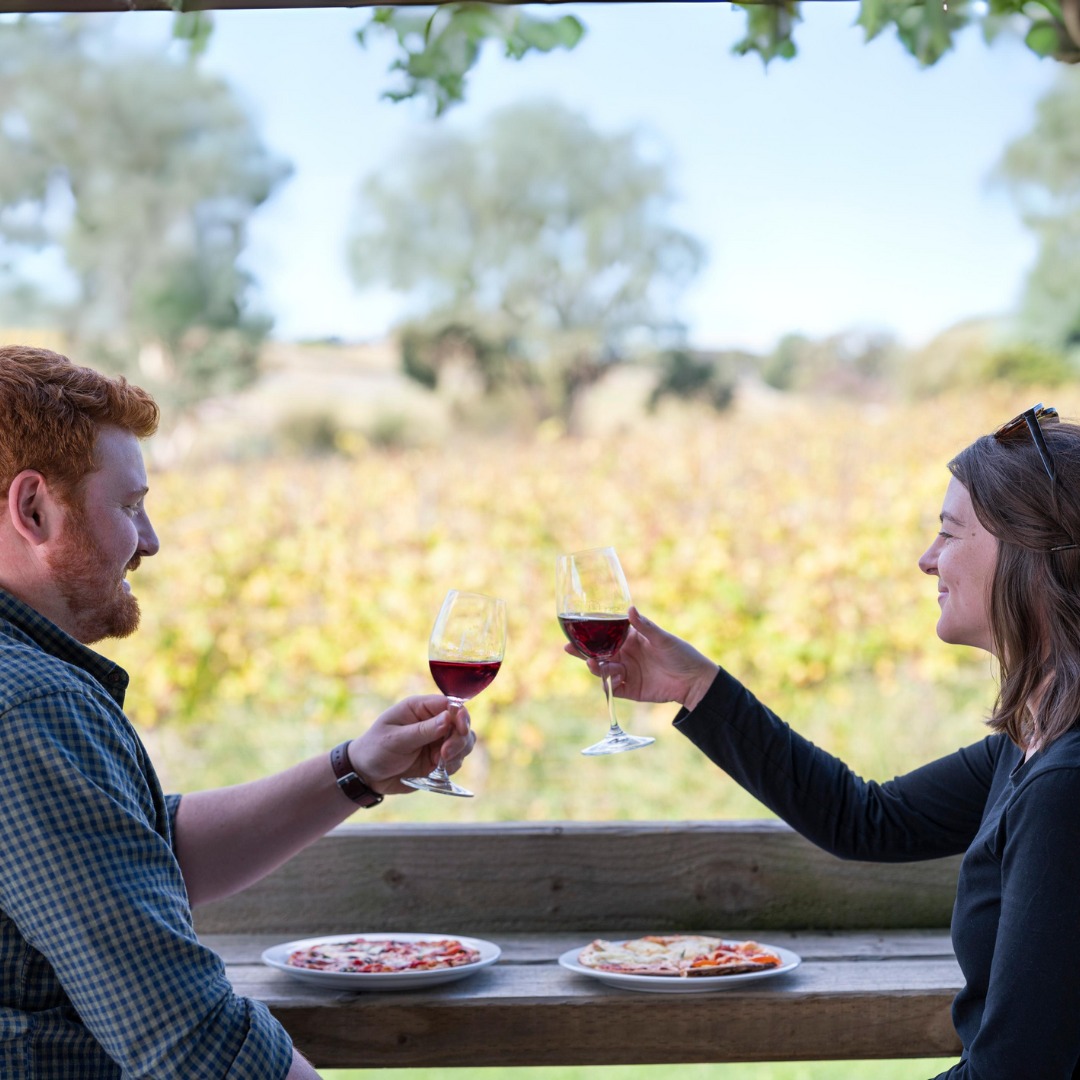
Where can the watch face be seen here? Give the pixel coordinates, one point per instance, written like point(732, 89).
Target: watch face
point(351, 785)
point(355, 788)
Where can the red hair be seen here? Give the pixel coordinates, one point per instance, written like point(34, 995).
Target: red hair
point(51, 411)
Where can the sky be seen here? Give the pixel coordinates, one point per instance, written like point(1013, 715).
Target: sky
point(847, 189)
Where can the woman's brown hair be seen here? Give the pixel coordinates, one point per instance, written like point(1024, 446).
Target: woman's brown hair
point(51, 411)
point(1034, 601)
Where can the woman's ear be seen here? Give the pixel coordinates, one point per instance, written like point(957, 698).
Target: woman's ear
point(34, 512)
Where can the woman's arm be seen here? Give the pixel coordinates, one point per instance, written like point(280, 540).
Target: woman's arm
point(930, 812)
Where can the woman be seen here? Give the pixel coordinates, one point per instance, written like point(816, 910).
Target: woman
point(1007, 565)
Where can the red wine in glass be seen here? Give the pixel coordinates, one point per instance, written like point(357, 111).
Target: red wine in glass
point(592, 600)
point(598, 636)
point(463, 679)
point(465, 652)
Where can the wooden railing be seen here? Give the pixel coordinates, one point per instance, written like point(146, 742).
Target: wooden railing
point(877, 977)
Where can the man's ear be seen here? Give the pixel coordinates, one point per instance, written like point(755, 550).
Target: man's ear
point(33, 510)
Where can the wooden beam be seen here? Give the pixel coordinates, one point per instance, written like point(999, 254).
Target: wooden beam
point(84, 7)
point(566, 876)
point(96, 6)
point(93, 6)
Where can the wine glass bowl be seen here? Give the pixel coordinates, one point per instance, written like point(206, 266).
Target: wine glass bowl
point(465, 652)
point(600, 635)
point(461, 680)
point(592, 601)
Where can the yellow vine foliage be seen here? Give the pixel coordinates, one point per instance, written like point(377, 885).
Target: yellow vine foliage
point(781, 538)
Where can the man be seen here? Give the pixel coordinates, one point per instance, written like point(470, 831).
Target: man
point(101, 974)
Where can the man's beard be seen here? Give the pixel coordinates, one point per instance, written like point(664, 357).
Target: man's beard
point(100, 606)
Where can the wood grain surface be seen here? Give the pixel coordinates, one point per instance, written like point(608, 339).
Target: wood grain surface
point(566, 876)
point(855, 995)
point(877, 979)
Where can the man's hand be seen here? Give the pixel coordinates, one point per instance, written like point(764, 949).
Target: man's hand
point(653, 665)
point(408, 740)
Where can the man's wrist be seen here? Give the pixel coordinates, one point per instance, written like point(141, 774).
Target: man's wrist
point(351, 784)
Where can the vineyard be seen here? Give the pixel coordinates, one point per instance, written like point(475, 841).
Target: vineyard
point(292, 599)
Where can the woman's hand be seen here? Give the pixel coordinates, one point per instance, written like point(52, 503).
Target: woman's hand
point(408, 740)
point(653, 665)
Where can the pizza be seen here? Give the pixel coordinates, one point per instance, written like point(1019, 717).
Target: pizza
point(678, 955)
point(365, 956)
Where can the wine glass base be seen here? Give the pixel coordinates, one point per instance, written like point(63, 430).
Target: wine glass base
point(438, 786)
point(616, 744)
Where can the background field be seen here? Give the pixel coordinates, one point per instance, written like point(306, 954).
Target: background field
point(292, 598)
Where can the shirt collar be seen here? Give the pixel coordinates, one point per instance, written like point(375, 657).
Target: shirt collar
point(43, 632)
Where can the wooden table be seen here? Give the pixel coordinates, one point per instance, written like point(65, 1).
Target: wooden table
point(861, 992)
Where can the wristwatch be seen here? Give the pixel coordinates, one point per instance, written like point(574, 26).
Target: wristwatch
point(351, 785)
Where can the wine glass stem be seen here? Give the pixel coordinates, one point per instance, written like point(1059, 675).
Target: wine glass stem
point(613, 724)
point(440, 768)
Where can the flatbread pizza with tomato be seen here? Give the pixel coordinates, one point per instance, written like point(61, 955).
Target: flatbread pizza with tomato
point(678, 956)
point(367, 956)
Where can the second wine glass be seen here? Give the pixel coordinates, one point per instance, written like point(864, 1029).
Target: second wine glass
point(465, 652)
point(593, 600)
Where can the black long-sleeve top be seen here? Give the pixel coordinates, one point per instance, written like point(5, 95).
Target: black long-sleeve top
point(1016, 920)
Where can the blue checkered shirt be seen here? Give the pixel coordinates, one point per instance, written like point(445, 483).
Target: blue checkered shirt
point(101, 974)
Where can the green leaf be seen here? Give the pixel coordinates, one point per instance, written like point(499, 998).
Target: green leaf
point(874, 16)
point(1043, 39)
point(769, 30)
point(440, 49)
point(993, 26)
point(926, 28)
point(194, 27)
point(543, 35)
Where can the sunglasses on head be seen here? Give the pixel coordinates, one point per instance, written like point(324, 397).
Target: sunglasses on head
point(1031, 419)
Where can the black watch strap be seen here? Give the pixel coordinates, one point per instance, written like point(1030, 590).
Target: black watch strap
point(351, 785)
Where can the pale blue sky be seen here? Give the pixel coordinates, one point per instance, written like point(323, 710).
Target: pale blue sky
point(848, 188)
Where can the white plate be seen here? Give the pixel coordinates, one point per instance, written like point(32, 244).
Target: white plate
point(674, 984)
point(381, 980)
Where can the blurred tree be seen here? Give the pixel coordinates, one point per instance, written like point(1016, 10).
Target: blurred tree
point(1042, 170)
point(139, 174)
point(1025, 363)
point(537, 249)
point(977, 352)
point(783, 366)
point(693, 376)
point(853, 362)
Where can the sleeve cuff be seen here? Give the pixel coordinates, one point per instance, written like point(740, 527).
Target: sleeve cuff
point(719, 699)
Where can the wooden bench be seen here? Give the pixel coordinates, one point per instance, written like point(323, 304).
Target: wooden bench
point(877, 978)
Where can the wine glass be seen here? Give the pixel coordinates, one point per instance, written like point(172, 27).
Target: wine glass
point(465, 651)
point(592, 600)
